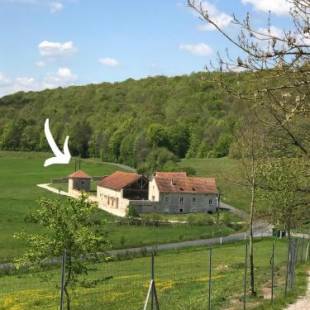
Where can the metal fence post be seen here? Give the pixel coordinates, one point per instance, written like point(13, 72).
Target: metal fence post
point(287, 266)
point(302, 250)
point(245, 275)
point(272, 271)
point(210, 278)
point(62, 287)
point(307, 252)
point(152, 288)
point(152, 279)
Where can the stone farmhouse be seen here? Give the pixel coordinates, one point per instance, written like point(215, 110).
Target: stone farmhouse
point(166, 192)
point(175, 192)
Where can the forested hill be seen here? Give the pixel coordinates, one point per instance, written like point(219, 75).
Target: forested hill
point(144, 123)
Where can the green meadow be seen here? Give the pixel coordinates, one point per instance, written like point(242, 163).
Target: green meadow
point(19, 195)
point(181, 276)
point(181, 280)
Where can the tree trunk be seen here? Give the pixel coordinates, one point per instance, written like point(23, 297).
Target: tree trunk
point(251, 246)
point(69, 268)
point(289, 258)
point(252, 211)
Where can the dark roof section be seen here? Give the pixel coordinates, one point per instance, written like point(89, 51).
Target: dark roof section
point(80, 174)
point(119, 179)
point(186, 185)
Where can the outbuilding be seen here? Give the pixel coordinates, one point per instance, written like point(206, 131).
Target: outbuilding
point(78, 181)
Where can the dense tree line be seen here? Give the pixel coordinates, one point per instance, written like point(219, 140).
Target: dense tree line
point(147, 123)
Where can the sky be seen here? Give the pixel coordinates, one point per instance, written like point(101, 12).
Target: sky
point(52, 43)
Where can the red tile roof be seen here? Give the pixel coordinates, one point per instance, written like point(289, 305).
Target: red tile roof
point(170, 174)
point(79, 175)
point(119, 180)
point(186, 185)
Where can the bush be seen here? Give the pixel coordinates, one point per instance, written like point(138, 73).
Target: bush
point(225, 219)
point(200, 219)
point(132, 212)
point(153, 219)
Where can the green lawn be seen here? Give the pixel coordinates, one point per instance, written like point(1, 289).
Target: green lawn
point(181, 278)
point(20, 172)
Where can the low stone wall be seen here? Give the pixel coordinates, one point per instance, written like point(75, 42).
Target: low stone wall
point(148, 206)
point(145, 206)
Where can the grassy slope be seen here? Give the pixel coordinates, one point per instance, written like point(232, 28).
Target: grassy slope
point(181, 277)
point(20, 172)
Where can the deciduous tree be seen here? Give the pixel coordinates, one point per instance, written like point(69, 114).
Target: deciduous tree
point(72, 226)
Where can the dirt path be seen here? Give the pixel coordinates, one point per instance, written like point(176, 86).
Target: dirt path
point(302, 303)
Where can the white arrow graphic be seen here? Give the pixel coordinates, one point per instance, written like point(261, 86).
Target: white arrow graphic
point(60, 157)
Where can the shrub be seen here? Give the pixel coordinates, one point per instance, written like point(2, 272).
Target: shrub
point(200, 219)
point(132, 212)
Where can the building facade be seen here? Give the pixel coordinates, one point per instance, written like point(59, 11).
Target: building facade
point(119, 189)
point(178, 193)
point(78, 182)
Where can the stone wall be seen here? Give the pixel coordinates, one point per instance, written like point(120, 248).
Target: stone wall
point(109, 198)
point(178, 203)
point(79, 184)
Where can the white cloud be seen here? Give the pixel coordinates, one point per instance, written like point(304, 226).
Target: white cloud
point(25, 81)
point(53, 5)
point(56, 7)
point(4, 80)
point(40, 64)
point(278, 7)
point(273, 31)
point(66, 74)
point(220, 18)
point(108, 61)
point(200, 49)
point(52, 49)
point(63, 77)
point(303, 39)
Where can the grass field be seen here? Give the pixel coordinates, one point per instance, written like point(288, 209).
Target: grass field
point(20, 172)
point(181, 279)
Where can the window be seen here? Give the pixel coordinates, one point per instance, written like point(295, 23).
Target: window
point(210, 201)
point(181, 200)
point(166, 199)
point(181, 210)
point(194, 199)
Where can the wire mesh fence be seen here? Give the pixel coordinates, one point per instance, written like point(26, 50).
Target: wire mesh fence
point(196, 278)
